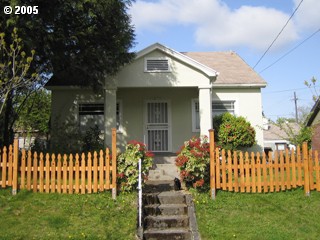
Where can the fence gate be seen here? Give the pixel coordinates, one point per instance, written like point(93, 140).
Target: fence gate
point(157, 125)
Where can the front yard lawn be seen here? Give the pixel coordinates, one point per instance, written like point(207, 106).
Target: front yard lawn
point(61, 216)
point(283, 215)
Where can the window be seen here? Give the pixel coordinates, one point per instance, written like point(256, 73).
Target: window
point(157, 65)
point(218, 108)
point(92, 114)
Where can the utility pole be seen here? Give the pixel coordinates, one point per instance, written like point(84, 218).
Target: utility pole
point(295, 99)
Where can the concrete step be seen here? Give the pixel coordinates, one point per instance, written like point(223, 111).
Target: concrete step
point(166, 209)
point(167, 234)
point(156, 186)
point(164, 159)
point(170, 170)
point(172, 197)
point(166, 221)
point(159, 174)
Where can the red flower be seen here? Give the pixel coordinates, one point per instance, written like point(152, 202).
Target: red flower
point(199, 183)
point(149, 154)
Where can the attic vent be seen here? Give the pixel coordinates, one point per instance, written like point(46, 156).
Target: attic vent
point(157, 65)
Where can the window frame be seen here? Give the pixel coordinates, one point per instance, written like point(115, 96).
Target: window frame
point(119, 123)
point(194, 112)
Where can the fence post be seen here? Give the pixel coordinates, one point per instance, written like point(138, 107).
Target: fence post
point(114, 163)
point(15, 166)
point(212, 166)
point(305, 154)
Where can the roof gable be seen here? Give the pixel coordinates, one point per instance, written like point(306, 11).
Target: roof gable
point(208, 71)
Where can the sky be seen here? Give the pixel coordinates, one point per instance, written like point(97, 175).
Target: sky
point(247, 27)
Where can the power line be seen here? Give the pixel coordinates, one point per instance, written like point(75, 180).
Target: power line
point(287, 53)
point(288, 90)
point(278, 35)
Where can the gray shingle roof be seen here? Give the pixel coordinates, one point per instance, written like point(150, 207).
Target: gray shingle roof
point(231, 67)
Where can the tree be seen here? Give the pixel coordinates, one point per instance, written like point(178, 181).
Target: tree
point(14, 68)
point(16, 78)
point(81, 41)
point(77, 42)
point(235, 132)
point(35, 113)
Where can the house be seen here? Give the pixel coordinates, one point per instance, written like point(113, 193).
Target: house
point(277, 138)
point(314, 122)
point(164, 97)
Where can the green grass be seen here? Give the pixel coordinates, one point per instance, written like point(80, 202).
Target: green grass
point(60, 216)
point(283, 215)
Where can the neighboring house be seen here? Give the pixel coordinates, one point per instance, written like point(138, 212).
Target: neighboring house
point(314, 122)
point(164, 97)
point(276, 138)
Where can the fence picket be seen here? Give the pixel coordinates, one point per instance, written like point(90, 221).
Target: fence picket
point(288, 171)
point(254, 173)
point(4, 168)
point(59, 173)
point(271, 168)
point(23, 169)
point(247, 184)
point(65, 174)
point(10, 165)
point(316, 162)
point(77, 176)
point(41, 173)
point(101, 168)
point(223, 170)
point(236, 172)
point(83, 172)
point(71, 170)
point(259, 175)
point(218, 174)
point(89, 173)
point(293, 167)
point(29, 169)
point(53, 173)
point(242, 179)
point(95, 175)
point(107, 167)
point(229, 163)
point(299, 166)
point(276, 171)
point(47, 171)
point(35, 172)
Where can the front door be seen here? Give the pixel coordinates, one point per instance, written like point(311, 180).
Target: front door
point(157, 126)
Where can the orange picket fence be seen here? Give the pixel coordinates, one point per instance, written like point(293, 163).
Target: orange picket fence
point(257, 173)
point(72, 173)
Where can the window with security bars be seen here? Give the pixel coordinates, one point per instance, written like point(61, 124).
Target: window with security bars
point(218, 108)
point(92, 114)
point(157, 65)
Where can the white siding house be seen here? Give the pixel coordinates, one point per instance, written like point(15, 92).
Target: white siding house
point(165, 97)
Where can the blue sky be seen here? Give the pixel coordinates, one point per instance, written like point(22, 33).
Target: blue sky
point(247, 27)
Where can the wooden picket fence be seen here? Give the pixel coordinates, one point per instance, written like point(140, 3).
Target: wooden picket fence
point(49, 173)
point(257, 173)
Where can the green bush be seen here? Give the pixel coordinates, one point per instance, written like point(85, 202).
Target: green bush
point(235, 132)
point(193, 162)
point(127, 165)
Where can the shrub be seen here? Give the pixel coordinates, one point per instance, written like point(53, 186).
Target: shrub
point(127, 165)
point(193, 162)
point(235, 132)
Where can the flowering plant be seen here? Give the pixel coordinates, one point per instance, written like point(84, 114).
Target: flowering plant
point(127, 165)
point(193, 161)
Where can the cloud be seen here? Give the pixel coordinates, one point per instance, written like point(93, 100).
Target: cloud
point(307, 16)
point(216, 24)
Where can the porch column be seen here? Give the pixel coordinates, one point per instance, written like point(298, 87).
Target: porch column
point(205, 109)
point(110, 112)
